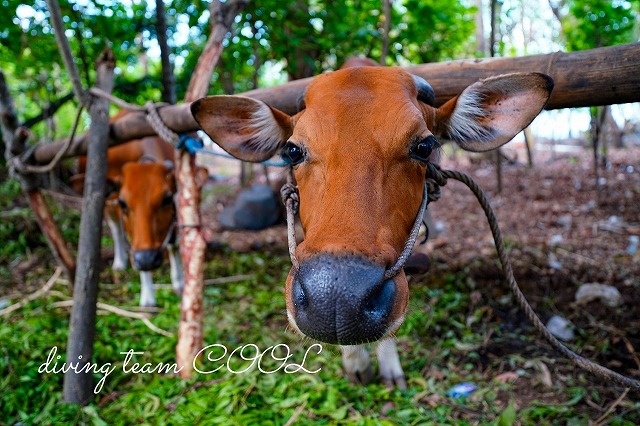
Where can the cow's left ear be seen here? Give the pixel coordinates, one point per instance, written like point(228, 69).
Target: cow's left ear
point(246, 128)
point(491, 112)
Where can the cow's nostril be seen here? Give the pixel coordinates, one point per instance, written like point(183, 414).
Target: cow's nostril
point(380, 302)
point(299, 297)
point(147, 260)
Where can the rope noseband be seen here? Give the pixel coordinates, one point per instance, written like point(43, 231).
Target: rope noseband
point(291, 200)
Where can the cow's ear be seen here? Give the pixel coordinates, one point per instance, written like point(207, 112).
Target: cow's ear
point(113, 186)
point(77, 183)
point(246, 128)
point(491, 112)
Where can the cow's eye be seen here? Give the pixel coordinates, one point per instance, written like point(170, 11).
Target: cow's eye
point(292, 154)
point(423, 148)
point(123, 204)
point(167, 200)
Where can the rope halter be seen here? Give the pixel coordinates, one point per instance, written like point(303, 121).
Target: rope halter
point(291, 200)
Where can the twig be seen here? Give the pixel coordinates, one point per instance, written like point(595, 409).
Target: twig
point(295, 415)
point(33, 295)
point(578, 256)
point(631, 350)
point(144, 317)
point(65, 50)
point(227, 280)
point(612, 407)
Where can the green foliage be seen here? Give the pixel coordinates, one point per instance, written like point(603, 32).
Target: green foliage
point(597, 23)
point(253, 311)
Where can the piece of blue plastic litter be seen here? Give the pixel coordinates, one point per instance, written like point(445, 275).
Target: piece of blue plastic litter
point(462, 390)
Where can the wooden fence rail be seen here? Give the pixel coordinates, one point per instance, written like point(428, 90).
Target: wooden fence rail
point(603, 76)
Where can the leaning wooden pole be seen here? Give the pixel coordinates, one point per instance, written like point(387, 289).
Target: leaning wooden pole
point(603, 76)
point(14, 136)
point(78, 387)
point(192, 241)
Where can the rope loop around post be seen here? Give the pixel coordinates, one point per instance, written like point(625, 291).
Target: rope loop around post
point(158, 125)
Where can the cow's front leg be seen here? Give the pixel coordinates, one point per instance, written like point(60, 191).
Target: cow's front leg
point(147, 293)
point(389, 364)
point(357, 364)
point(177, 275)
point(120, 259)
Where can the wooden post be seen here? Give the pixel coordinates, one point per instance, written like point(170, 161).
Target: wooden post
point(78, 387)
point(192, 242)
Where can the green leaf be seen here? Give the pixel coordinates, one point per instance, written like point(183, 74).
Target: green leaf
point(508, 416)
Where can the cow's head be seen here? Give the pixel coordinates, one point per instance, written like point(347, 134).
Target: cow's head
point(147, 208)
point(359, 151)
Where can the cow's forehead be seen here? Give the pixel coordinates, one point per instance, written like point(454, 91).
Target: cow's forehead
point(366, 105)
point(144, 178)
point(360, 85)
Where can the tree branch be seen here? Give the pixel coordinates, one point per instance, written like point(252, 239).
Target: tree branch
point(65, 50)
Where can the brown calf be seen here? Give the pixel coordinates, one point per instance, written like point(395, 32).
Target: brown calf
point(359, 151)
point(142, 184)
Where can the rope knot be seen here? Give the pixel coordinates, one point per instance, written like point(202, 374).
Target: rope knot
point(290, 192)
point(154, 119)
point(434, 180)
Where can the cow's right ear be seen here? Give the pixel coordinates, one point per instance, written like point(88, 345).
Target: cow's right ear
point(491, 112)
point(113, 186)
point(77, 183)
point(246, 128)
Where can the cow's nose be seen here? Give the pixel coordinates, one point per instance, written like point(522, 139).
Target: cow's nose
point(342, 300)
point(147, 260)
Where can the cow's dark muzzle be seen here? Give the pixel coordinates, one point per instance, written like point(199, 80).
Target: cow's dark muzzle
point(147, 260)
point(342, 299)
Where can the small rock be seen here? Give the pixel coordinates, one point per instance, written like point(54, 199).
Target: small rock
point(614, 220)
point(555, 240)
point(561, 328)
point(255, 208)
point(553, 262)
point(633, 244)
point(565, 221)
point(609, 295)
point(4, 303)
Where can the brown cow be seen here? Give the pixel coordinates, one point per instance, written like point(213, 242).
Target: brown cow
point(142, 184)
point(359, 152)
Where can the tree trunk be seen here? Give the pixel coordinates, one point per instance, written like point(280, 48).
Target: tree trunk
point(481, 43)
point(386, 27)
point(78, 387)
point(529, 143)
point(603, 76)
point(494, 31)
point(168, 80)
point(492, 53)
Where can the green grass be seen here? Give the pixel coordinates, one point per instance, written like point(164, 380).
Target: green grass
point(440, 345)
